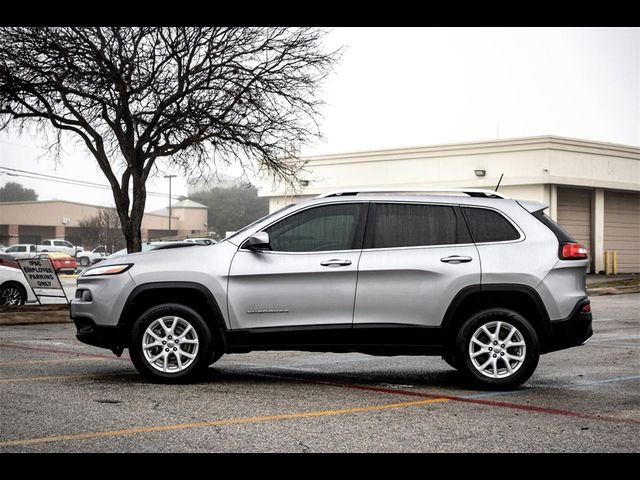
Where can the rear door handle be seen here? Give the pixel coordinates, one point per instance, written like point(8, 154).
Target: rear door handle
point(335, 263)
point(456, 259)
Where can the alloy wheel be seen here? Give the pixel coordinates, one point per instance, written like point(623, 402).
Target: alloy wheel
point(497, 349)
point(170, 344)
point(11, 296)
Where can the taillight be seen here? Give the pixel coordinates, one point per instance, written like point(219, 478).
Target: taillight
point(573, 251)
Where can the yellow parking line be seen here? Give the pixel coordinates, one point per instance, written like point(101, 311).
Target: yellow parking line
point(61, 377)
point(215, 423)
point(34, 362)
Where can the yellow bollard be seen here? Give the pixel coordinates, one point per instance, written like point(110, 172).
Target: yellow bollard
point(614, 263)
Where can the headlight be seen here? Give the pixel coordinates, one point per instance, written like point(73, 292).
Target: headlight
point(109, 270)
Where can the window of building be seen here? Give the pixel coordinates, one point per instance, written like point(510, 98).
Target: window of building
point(330, 227)
point(412, 225)
point(489, 226)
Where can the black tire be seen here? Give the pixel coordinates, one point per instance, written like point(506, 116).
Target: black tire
point(84, 261)
point(12, 293)
point(203, 355)
point(525, 331)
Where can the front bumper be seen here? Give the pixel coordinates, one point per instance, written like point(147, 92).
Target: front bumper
point(572, 331)
point(98, 335)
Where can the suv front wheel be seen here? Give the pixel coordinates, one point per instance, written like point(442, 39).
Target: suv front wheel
point(498, 349)
point(171, 343)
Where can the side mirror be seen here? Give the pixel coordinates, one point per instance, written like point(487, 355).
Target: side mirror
point(258, 241)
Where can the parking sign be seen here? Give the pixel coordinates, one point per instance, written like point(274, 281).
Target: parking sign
point(41, 275)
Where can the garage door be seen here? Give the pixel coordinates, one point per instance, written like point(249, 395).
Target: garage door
point(622, 229)
point(574, 213)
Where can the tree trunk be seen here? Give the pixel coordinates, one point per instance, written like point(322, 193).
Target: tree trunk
point(134, 242)
point(131, 221)
point(133, 237)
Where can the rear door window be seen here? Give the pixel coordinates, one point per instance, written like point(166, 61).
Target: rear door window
point(413, 225)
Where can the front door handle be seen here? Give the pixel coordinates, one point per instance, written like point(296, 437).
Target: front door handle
point(335, 263)
point(456, 259)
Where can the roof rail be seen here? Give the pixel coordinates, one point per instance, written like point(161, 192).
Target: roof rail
point(472, 192)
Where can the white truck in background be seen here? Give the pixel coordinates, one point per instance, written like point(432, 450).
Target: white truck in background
point(53, 245)
point(87, 258)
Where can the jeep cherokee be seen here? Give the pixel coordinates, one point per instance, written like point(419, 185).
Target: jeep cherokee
point(487, 282)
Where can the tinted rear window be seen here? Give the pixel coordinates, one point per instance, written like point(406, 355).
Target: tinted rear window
point(489, 226)
point(412, 225)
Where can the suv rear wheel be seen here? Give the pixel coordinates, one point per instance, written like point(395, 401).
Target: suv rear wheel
point(498, 349)
point(171, 343)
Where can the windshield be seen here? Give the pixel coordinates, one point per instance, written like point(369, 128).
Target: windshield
point(257, 221)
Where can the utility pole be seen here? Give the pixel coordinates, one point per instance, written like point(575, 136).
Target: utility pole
point(169, 177)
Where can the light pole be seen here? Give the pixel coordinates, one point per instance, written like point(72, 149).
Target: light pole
point(169, 177)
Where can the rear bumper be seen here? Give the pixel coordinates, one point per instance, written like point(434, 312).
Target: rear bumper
point(572, 331)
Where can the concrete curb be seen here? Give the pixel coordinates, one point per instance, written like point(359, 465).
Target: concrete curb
point(34, 314)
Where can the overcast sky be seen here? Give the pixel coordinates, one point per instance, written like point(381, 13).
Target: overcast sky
point(402, 87)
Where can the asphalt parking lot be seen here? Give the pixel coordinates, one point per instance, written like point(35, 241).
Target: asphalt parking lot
point(58, 395)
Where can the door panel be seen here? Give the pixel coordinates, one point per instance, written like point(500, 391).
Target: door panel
point(412, 286)
point(309, 275)
point(274, 289)
point(417, 257)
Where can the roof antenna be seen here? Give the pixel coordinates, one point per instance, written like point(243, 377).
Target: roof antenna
point(497, 186)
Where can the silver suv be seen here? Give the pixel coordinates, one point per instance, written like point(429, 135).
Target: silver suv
point(486, 282)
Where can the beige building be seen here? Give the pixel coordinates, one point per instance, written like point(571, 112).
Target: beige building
point(32, 222)
point(592, 188)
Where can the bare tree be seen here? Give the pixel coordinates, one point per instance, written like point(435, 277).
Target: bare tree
point(145, 99)
point(102, 229)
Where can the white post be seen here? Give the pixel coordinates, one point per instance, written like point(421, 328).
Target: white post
point(597, 230)
point(553, 202)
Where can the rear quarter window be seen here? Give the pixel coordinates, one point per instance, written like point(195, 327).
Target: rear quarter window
point(561, 234)
point(489, 226)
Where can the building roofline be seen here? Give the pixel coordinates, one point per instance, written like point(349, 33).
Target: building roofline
point(56, 201)
point(32, 202)
point(622, 150)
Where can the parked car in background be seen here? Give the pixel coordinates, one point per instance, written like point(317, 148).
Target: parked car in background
point(53, 245)
point(61, 262)
point(3, 248)
point(86, 258)
point(14, 289)
point(202, 241)
point(22, 250)
point(7, 260)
